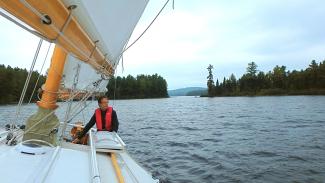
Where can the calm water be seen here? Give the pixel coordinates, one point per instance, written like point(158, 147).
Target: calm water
point(232, 139)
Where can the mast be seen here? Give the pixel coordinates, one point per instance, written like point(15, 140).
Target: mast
point(52, 84)
point(94, 33)
point(54, 21)
point(47, 105)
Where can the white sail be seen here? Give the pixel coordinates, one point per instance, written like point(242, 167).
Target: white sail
point(36, 158)
point(82, 75)
point(109, 21)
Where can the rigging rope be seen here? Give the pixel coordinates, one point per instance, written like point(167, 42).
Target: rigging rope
point(83, 115)
point(23, 93)
point(71, 43)
point(127, 47)
point(18, 135)
point(68, 121)
point(58, 31)
point(147, 27)
point(31, 97)
point(24, 27)
point(136, 40)
point(67, 114)
point(96, 65)
point(114, 88)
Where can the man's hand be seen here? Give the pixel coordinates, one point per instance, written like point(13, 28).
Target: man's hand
point(76, 141)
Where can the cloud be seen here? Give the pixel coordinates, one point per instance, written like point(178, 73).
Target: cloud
point(228, 34)
point(18, 47)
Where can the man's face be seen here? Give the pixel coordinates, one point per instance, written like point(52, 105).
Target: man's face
point(103, 104)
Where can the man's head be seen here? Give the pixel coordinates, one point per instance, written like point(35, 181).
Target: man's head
point(103, 102)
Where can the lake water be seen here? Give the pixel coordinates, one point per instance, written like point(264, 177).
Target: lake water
point(226, 139)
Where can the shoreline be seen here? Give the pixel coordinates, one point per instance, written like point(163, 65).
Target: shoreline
point(274, 92)
point(202, 96)
point(34, 102)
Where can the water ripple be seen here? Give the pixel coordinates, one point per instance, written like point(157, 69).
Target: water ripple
point(224, 139)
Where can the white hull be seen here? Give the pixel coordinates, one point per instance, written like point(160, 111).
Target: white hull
point(66, 164)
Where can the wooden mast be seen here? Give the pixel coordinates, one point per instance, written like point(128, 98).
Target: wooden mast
point(53, 80)
point(47, 105)
point(63, 31)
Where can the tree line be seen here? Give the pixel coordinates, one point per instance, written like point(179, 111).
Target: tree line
point(12, 81)
point(141, 86)
point(279, 81)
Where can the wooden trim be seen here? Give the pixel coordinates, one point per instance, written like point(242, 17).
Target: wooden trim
point(53, 80)
point(58, 13)
point(117, 168)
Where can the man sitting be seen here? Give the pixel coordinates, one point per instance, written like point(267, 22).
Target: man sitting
point(104, 117)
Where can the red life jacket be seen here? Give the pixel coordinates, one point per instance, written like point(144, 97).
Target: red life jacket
point(108, 120)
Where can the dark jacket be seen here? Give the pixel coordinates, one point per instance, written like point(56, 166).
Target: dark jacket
point(92, 122)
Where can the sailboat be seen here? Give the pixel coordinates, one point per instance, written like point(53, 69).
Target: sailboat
point(90, 38)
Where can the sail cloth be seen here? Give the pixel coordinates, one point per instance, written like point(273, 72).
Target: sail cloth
point(109, 21)
point(82, 75)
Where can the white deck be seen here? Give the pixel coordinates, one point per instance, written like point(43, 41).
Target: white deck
point(72, 164)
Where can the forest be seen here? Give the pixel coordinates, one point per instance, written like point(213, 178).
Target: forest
point(141, 86)
point(279, 81)
point(12, 81)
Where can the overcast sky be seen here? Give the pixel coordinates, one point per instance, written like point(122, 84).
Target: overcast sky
point(227, 34)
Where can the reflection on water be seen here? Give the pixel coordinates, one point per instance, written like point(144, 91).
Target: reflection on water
point(227, 139)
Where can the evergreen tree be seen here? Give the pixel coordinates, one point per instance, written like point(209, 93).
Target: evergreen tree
point(278, 81)
point(210, 82)
point(233, 83)
point(143, 86)
point(12, 81)
point(251, 69)
point(279, 77)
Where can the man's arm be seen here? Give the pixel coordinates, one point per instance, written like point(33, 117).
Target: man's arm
point(90, 124)
point(114, 121)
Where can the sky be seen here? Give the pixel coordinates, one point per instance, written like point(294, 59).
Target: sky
point(183, 41)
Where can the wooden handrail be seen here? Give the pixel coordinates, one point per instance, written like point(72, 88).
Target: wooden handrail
point(117, 168)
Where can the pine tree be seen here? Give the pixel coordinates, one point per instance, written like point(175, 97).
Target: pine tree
point(210, 82)
point(251, 69)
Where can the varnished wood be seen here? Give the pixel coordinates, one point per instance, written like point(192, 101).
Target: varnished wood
point(58, 13)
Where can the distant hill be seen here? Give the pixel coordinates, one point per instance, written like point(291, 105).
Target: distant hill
point(188, 91)
point(199, 92)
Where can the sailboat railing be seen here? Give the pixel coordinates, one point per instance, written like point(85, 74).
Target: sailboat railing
point(119, 139)
point(93, 158)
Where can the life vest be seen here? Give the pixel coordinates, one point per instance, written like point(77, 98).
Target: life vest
point(108, 120)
